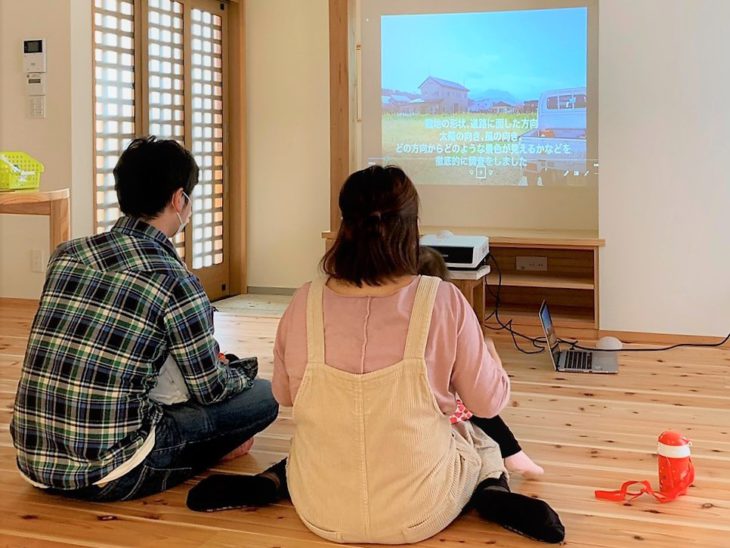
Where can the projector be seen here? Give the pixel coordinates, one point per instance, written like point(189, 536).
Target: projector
point(459, 252)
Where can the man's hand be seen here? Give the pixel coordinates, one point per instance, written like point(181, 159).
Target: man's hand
point(250, 366)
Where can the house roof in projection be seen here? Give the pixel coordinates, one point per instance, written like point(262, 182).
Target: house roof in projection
point(444, 83)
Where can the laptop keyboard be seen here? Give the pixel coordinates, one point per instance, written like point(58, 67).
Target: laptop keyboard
point(578, 360)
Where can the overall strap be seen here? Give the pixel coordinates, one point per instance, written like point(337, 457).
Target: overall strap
point(315, 322)
point(420, 322)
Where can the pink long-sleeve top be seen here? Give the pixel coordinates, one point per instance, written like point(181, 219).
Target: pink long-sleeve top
point(364, 334)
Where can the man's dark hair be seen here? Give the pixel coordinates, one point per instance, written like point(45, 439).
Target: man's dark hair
point(149, 172)
point(378, 237)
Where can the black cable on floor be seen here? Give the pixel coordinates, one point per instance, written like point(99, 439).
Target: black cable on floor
point(537, 342)
point(508, 325)
point(574, 345)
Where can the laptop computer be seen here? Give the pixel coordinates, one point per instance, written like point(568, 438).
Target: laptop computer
point(574, 361)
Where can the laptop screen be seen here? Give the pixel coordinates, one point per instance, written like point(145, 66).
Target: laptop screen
point(547, 325)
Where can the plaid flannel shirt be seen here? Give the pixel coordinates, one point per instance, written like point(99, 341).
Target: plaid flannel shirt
point(113, 307)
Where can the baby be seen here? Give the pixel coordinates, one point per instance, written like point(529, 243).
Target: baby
point(171, 388)
point(431, 263)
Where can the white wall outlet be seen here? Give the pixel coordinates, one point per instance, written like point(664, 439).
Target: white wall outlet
point(537, 264)
point(38, 260)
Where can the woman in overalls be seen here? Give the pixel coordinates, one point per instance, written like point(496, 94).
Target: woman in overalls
point(371, 359)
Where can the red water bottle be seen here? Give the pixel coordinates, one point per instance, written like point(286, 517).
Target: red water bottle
point(676, 472)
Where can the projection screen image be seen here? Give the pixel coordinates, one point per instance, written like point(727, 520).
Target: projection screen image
point(495, 98)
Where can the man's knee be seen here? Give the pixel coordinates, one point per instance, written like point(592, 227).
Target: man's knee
point(259, 400)
point(270, 404)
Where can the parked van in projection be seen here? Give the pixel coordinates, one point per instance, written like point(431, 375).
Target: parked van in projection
point(558, 145)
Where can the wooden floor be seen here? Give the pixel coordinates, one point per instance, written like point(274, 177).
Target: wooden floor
point(588, 431)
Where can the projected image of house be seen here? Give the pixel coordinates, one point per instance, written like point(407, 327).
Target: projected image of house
point(438, 96)
point(448, 96)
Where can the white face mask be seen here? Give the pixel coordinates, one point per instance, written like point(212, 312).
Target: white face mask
point(179, 218)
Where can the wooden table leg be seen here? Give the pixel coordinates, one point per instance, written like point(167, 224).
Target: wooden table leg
point(473, 291)
point(60, 220)
point(469, 288)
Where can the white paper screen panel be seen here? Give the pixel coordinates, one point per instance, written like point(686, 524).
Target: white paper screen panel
point(166, 77)
point(114, 99)
point(207, 137)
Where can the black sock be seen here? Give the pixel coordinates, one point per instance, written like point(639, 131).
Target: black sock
point(277, 474)
point(524, 515)
point(226, 491)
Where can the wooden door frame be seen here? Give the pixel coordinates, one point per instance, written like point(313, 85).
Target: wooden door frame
point(237, 145)
point(234, 126)
point(342, 57)
point(216, 278)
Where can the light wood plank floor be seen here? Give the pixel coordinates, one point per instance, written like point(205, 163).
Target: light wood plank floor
point(587, 431)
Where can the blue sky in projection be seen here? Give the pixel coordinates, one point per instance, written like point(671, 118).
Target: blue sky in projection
point(522, 53)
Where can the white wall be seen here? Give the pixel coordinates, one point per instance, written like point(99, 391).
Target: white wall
point(82, 129)
point(287, 87)
point(664, 193)
point(62, 141)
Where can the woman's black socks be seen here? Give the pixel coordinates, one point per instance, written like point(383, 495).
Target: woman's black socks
point(492, 499)
point(524, 515)
point(227, 491)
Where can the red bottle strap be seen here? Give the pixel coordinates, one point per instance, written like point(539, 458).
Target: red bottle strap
point(624, 494)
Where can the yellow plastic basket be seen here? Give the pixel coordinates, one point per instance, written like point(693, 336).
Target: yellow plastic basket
point(19, 171)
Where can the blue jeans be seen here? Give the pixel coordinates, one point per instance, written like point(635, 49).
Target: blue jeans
point(189, 439)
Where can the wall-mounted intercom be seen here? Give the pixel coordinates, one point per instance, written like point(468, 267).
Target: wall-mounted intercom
point(34, 55)
point(34, 66)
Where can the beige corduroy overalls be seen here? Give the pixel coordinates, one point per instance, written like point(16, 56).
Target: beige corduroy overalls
point(373, 458)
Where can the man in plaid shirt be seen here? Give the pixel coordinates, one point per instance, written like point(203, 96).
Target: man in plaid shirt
point(114, 308)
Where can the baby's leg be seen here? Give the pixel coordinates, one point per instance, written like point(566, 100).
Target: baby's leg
point(520, 463)
point(515, 459)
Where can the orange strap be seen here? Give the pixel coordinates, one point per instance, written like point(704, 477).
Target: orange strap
point(622, 493)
